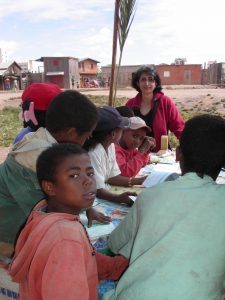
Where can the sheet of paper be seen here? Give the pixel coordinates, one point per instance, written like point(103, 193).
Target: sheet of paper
point(157, 177)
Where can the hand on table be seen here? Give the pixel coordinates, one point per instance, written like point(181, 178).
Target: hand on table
point(93, 214)
point(124, 198)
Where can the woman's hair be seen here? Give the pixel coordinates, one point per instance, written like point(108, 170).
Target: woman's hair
point(202, 144)
point(125, 111)
point(145, 69)
point(49, 160)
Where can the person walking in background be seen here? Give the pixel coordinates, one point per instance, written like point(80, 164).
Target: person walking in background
point(7, 83)
point(15, 85)
point(156, 109)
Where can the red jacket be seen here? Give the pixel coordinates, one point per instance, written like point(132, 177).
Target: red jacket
point(130, 161)
point(54, 259)
point(166, 117)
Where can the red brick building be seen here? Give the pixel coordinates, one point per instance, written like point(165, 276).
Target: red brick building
point(180, 74)
point(169, 74)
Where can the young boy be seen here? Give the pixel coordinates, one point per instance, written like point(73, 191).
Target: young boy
point(132, 151)
point(71, 117)
point(102, 153)
point(54, 258)
point(174, 234)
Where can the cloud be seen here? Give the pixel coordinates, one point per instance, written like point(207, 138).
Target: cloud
point(36, 10)
point(8, 48)
point(161, 31)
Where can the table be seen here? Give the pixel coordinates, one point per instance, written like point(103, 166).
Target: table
point(99, 233)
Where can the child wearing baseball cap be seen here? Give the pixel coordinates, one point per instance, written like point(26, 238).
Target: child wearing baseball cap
point(103, 158)
point(35, 101)
point(132, 150)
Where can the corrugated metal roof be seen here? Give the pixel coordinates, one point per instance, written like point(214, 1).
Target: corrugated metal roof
point(86, 58)
point(2, 72)
point(5, 65)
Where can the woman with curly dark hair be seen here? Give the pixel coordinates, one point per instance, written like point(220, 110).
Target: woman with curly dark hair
point(156, 109)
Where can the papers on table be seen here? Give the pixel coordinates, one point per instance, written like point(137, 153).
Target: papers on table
point(167, 170)
point(221, 177)
point(157, 177)
point(167, 157)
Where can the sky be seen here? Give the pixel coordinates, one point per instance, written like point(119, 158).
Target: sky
point(162, 30)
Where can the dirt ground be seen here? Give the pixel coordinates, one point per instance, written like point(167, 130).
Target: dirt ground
point(195, 98)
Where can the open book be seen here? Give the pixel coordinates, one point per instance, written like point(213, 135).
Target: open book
point(159, 176)
point(160, 173)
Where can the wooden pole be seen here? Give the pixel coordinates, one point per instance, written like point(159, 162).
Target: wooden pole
point(114, 50)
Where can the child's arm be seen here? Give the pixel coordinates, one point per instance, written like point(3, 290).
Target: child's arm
point(121, 198)
point(126, 181)
point(131, 167)
point(147, 145)
point(111, 267)
point(93, 214)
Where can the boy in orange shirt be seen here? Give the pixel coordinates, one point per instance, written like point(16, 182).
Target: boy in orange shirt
point(54, 258)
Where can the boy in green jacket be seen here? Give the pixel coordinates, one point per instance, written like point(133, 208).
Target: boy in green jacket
point(71, 117)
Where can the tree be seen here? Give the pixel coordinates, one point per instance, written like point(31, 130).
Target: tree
point(124, 15)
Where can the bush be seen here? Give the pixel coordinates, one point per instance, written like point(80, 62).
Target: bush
point(10, 125)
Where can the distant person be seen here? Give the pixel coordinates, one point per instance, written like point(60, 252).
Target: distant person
point(71, 117)
point(7, 83)
point(174, 234)
point(15, 85)
point(103, 158)
point(35, 101)
point(72, 82)
point(157, 110)
point(54, 258)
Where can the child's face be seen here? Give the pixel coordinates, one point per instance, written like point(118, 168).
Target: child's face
point(132, 139)
point(74, 187)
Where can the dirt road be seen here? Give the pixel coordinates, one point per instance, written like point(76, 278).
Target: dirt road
point(192, 98)
point(186, 96)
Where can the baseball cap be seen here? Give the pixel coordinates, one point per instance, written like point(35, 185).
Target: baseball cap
point(137, 123)
point(110, 119)
point(41, 94)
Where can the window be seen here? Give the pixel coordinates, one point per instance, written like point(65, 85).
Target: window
point(166, 74)
point(55, 62)
point(92, 66)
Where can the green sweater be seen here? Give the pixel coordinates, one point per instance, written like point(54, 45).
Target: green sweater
point(19, 192)
point(19, 188)
point(174, 236)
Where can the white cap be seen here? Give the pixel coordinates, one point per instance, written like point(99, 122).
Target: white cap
point(137, 123)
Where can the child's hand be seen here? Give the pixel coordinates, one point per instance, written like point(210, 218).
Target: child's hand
point(124, 198)
point(147, 145)
point(93, 214)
